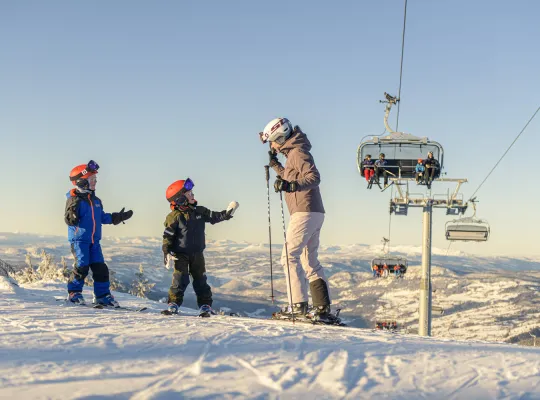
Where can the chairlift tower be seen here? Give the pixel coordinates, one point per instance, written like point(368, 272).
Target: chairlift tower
point(406, 148)
point(403, 151)
point(453, 204)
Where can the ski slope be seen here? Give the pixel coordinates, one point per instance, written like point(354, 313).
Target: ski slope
point(50, 350)
point(484, 298)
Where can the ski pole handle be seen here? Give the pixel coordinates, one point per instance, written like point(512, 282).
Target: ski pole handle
point(267, 172)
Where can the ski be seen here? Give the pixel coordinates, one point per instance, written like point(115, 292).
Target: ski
point(203, 314)
point(332, 319)
point(102, 307)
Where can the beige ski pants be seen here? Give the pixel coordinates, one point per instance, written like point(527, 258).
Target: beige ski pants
point(303, 251)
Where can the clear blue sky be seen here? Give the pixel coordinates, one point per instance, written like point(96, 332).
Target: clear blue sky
point(157, 91)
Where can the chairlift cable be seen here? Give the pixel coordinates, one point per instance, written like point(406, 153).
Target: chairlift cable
point(401, 67)
point(471, 199)
point(507, 150)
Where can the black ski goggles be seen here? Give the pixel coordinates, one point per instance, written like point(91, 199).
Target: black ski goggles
point(91, 167)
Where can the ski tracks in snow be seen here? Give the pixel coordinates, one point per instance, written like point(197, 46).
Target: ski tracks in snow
point(71, 352)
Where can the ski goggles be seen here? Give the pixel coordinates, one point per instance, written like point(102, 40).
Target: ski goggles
point(91, 167)
point(188, 185)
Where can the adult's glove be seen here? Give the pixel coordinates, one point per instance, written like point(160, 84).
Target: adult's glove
point(273, 161)
point(281, 185)
point(169, 260)
point(121, 216)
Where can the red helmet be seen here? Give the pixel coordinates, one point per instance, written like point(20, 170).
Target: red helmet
point(420, 160)
point(177, 189)
point(83, 171)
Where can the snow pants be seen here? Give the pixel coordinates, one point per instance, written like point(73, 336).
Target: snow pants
point(378, 173)
point(185, 266)
point(303, 256)
point(368, 173)
point(88, 256)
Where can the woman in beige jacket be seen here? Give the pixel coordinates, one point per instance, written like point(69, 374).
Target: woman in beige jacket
point(299, 180)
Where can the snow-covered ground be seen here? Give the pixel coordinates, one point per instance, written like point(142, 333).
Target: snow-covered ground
point(484, 298)
point(50, 350)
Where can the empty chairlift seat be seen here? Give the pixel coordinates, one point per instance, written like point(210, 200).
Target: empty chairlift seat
point(468, 230)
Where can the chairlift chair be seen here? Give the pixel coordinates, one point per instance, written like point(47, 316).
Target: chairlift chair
point(391, 261)
point(402, 150)
point(468, 230)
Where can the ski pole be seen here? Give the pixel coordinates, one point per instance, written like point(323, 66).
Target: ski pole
point(286, 254)
point(266, 169)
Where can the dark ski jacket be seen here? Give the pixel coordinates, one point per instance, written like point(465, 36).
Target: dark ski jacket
point(184, 230)
point(433, 162)
point(84, 216)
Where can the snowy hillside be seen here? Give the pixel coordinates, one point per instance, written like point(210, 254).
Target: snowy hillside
point(52, 350)
point(484, 298)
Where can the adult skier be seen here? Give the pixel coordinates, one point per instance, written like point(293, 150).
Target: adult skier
point(299, 179)
point(380, 165)
point(432, 169)
point(184, 243)
point(84, 215)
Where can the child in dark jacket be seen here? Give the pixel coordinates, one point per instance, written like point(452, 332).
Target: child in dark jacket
point(84, 216)
point(184, 243)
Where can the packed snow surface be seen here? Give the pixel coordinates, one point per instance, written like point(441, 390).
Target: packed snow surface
point(52, 350)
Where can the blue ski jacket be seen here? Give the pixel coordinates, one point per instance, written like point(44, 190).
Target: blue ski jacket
point(84, 216)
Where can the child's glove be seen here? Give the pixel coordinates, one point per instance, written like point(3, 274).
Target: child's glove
point(233, 205)
point(169, 260)
point(121, 216)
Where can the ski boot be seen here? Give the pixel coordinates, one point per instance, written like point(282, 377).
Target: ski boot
point(77, 298)
point(299, 310)
point(172, 309)
point(106, 301)
point(206, 311)
point(322, 314)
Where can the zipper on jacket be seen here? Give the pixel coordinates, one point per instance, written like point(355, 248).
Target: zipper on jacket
point(93, 219)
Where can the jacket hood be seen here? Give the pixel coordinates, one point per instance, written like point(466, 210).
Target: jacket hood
point(74, 192)
point(298, 140)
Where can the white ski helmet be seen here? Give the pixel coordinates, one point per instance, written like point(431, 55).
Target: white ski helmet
point(278, 130)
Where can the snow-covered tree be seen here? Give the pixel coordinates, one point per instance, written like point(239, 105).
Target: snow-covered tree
point(116, 285)
point(47, 270)
point(141, 286)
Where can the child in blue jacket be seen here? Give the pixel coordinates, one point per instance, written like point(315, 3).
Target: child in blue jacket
point(419, 171)
point(84, 216)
